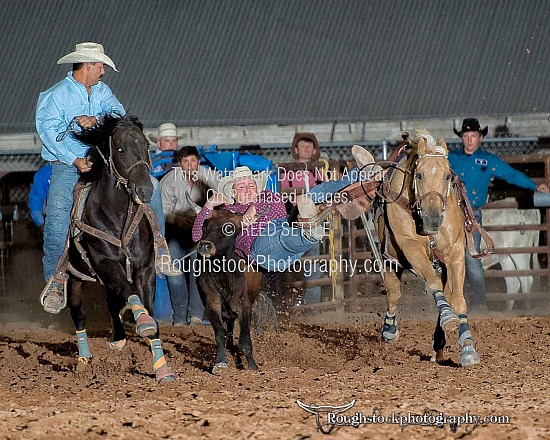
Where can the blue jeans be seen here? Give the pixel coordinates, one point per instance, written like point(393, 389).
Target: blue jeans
point(279, 245)
point(474, 283)
point(312, 294)
point(184, 294)
point(322, 192)
point(58, 214)
point(156, 204)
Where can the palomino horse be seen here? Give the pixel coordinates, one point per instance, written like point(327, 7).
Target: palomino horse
point(423, 226)
point(117, 235)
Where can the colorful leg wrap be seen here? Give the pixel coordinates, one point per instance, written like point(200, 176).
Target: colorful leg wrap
point(137, 306)
point(447, 318)
point(83, 347)
point(158, 354)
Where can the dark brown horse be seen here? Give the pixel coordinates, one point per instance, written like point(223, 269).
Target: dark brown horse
point(115, 235)
point(423, 227)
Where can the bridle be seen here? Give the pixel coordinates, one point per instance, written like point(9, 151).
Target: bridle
point(439, 153)
point(120, 179)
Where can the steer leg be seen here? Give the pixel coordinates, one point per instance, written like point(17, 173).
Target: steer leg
point(230, 343)
point(245, 341)
point(220, 334)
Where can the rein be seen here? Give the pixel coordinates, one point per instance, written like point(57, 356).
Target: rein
point(120, 180)
point(133, 217)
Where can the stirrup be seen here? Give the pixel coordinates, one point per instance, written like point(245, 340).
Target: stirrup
point(57, 284)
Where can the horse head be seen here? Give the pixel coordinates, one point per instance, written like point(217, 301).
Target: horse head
point(431, 180)
point(121, 150)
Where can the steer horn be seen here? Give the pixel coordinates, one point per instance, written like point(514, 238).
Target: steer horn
point(192, 203)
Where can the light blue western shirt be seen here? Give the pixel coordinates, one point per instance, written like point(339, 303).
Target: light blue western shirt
point(56, 109)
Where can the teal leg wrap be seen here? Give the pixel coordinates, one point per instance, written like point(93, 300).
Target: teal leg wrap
point(158, 354)
point(137, 306)
point(83, 347)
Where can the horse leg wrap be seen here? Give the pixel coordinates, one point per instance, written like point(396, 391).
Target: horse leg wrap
point(145, 325)
point(468, 354)
point(83, 347)
point(447, 318)
point(137, 306)
point(389, 328)
point(162, 371)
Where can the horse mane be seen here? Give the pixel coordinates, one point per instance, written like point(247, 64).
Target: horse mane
point(428, 142)
point(98, 137)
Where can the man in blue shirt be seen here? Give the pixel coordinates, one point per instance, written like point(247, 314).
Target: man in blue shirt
point(76, 102)
point(476, 168)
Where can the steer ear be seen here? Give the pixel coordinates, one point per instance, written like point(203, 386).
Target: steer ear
point(192, 203)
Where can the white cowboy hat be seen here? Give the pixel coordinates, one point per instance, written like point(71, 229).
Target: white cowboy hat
point(87, 53)
point(241, 173)
point(165, 130)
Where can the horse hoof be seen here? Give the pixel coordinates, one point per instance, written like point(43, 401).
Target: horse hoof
point(116, 345)
point(390, 337)
point(146, 326)
point(469, 356)
point(449, 321)
point(437, 357)
point(83, 360)
point(219, 368)
point(165, 374)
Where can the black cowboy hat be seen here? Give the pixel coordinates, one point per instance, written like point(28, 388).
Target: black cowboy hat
point(471, 124)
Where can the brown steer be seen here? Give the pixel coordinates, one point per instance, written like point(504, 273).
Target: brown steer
point(228, 286)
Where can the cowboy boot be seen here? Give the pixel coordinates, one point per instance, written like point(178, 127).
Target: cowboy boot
point(54, 296)
point(366, 163)
point(311, 228)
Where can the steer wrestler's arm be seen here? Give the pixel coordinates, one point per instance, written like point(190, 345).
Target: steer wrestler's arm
point(214, 200)
point(199, 221)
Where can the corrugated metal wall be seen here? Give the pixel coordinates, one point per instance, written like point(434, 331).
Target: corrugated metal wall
point(285, 61)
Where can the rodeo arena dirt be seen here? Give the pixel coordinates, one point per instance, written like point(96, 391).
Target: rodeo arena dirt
point(323, 371)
